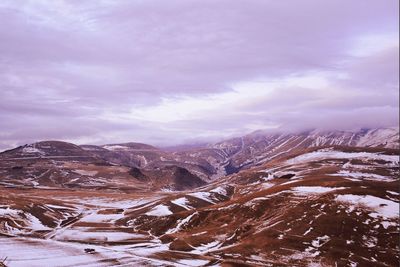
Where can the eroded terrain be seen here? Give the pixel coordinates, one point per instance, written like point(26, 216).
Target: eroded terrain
point(324, 206)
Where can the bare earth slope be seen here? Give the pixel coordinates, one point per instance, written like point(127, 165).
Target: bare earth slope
point(65, 165)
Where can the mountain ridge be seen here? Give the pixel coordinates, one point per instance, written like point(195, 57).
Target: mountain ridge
point(215, 160)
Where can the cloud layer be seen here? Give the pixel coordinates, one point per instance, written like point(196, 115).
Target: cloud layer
point(168, 72)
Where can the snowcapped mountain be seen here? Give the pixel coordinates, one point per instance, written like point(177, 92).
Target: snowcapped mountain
point(232, 155)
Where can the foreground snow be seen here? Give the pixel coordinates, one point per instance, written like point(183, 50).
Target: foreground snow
point(383, 207)
point(39, 253)
point(21, 252)
point(84, 234)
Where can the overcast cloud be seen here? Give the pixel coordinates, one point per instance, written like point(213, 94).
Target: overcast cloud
point(169, 72)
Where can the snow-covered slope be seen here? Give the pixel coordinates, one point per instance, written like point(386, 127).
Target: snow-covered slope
point(257, 148)
point(388, 137)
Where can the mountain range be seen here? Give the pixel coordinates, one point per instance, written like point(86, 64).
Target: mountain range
point(202, 164)
point(315, 198)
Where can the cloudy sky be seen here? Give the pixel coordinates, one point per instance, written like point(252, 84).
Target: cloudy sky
point(169, 72)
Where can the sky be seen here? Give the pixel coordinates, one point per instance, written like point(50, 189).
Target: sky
point(184, 71)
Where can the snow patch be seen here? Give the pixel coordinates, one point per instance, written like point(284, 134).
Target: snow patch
point(394, 193)
point(206, 196)
point(384, 207)
point(116, 147)
point(181, 223)
point(105, 236)
point(220, 190)
point(182, 202)
point(315, 189)
point(115, 203)
point(9, 212)
point(159, 211)
point(31, 150)
point(193, 262)
point(320, 241)
point(97, 218)
point(332, 154)
point(206, 247)
point(32, 222)
point(360, 175)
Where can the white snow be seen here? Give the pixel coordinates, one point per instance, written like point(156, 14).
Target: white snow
point(182, 202)
point(383, 207)
point(148, 248)
point(254, 200)
point(81, 234)
point(143, 160)
point(388, 136)
point(371, 241)
point(159, 211)
point(9, 212)
point(57, 206)
point(386, 224)
point(220, 190)
point(228, 207)
point(332, 154)
point(206, 247)
point(267, 185)
point(25, 252)
point(256, 257)
point(308, 231)
point(35, 223)
point(290, 182)
point(32, 223)
point(201, 233)
point(30, 150)
point(193, 262)
point(116, 147)
point(202, 195)
point(394, 193)
point(96, 217)
point(115, 203)
point(320, 241)
point(361, 175)
point(31, 252)
point(181, 223)
point(315, 189)
point(167, 190)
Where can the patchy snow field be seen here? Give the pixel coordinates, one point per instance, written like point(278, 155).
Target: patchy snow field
point(86, 234)
point(304, 190)
point(182, 202)
point(383, 207)
point(22, 252)
point(361, 175)
point(332, 154)
point(206, 196)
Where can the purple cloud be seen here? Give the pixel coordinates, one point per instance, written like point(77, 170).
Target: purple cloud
point(165, 72)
